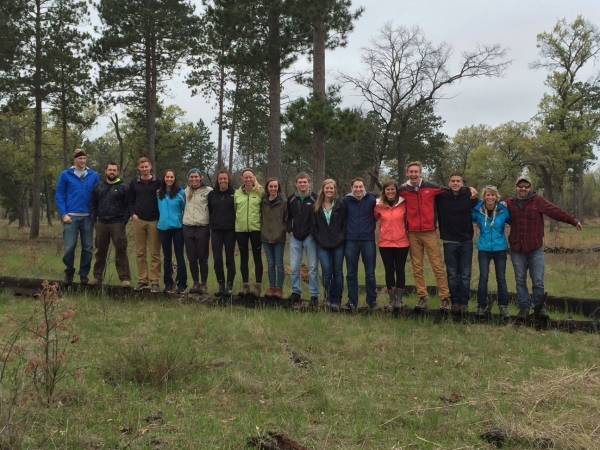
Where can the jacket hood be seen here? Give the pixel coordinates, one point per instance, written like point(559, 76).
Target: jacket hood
point(531, 194)
point(400, 200)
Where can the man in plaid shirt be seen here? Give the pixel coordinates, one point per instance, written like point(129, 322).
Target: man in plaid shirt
point(526, 240)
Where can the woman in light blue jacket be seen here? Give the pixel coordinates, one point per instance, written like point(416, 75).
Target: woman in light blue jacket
point(171, 203)
point(491, 217)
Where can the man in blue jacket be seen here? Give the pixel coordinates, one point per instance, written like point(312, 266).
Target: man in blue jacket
point(360, 241)
point(73, 192)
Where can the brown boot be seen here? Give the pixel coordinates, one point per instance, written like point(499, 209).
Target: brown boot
point(278, 293)
point(270, 292)
point(422, 305)
point(445, 307)
point(256, 290)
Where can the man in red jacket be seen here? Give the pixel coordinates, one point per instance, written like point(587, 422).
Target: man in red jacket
point(526, 240)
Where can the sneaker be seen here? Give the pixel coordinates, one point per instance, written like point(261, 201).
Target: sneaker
point(202, 288)
point(166, 290)
point(455, 308)
point(422, 305)
point(504, 312)
point(445, 307)
point(195, 289)
point(373, 305)
point(141, 285)
point(94, 282)
point(84, 280)
point(481, 311)
point(349, 306)
point(278, 293)
point(245, 290)
point(314, 301)
point(295, 297)
point(270, 292)
point(523, 313)
point(125, 283)
point(334, 307)
point(256, 291)
point(464, 309)
point(155, 289)
point(181, 290)
point(68, 281)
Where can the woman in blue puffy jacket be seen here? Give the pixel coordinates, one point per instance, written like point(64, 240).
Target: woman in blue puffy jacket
point(171, 203)
point(491, 217)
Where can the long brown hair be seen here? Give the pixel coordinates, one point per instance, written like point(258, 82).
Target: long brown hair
point(383, 201)
point(163, 186)
point(321, 196)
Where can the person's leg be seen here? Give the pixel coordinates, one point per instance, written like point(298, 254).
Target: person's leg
point(400, 255)
point(295, 261)
point(278, 250)
point(181, 278)
point(387, 256)
point(86, 231)
point(369, 258)
point(310, 246)
point(519, 262)
point(203, 242)
point(351, 253)
point(337, 280)
point(118, 234)
point(154, 247)
point(465, 261)
point(166, 240)
point(140, 240)
point(189, 239)
point(484, 258)
point(417, 252)
point(431, 244)
point(500, 267)
point(242, 242)
point(535, 261)
point(70, 233)
point(326, 261)
point(103, 235)
point(229, 243)
point(256, 244)
point(217, 241)
point(451, 258)
point(270, 255)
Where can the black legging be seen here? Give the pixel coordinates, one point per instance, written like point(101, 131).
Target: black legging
point(220, 239)
point(394, 261)
point(256, 243)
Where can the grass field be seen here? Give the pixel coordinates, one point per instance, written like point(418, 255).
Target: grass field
point(161, 374)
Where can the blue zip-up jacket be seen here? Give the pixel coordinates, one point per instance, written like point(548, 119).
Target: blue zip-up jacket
point(360, 223)
point(171, 210)
point(73, 194)
point(491, 237)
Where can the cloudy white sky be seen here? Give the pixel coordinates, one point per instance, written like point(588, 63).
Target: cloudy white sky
point(462, 23)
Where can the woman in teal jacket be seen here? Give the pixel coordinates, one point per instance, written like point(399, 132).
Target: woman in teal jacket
point(491, 217)
point(171, 203)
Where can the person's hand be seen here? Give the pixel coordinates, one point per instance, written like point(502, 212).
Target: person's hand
point(578, 226)
point(66, 218)
point(473, 192)
point(135, 217)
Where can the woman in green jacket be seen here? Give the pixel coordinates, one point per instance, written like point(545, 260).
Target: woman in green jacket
point(248, 223)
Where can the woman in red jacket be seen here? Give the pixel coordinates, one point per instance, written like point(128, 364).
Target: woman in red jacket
point(390, 210)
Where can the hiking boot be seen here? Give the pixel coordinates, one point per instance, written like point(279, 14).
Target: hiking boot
point(481, 311)
point(195, 289)
point(335, 307)
point(141, 285)
point(455, 308)
point(221, 290)
point(270, 292)
point(504, 312)
point(256, 291)
point(68, 281)
point(167, 289)
point(422, 305)
point(228, 290)
point(155, 289)
point(539, 312)
point(373, 305)
point(125, 283)
point(277, 293)
point(523, 313)
point(94, 282)
point(464, 309)
point(245, 290)
point(181, 290)
point(84, 280)
point(314, 301)
point(202, 288)
point(349, 306)
point(397, 306)
point(445, 306)
point(294, 297)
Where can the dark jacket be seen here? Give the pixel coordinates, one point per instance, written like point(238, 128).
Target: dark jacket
point(274, 220)
point(221, 209)
point(420, 205)
point(109, 203)
point(361, 223)
point(527, 221)
point(142, 198)
point(454, 215)
point(330, 235)
point(299, 215)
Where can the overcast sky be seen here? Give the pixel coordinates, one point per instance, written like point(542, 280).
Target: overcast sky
point(461, 23)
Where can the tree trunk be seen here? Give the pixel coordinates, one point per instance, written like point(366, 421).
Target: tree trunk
point(400, 146)
point(274, 68)
point(220, 120)
point(26, 208)
point(318, 162)
point(37, 151)
point(150, 102)
point(233, 120)
point(48, 203)
point(63, 113)
point(21, 210)
point(115, 122)
point(580, 192)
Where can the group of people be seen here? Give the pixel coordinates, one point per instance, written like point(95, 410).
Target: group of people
point(326, 227)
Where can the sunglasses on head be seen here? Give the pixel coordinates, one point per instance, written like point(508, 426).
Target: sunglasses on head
point(490, 186)
point(524, 185)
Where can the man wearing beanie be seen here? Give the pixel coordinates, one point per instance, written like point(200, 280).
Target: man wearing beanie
point(73, 192)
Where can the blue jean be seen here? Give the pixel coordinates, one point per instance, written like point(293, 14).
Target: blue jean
point(499, 259)
point(274, 254)
point(534, 262)
point(310, 247)
point(332, 260)
point(366, 249)
point(458, 257)
point(170, 239)
point(82, 226)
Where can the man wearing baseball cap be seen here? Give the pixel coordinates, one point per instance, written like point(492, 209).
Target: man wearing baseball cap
point(526, 240)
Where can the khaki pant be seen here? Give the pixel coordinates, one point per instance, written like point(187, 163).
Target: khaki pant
point(421, 242)
point(145, 233)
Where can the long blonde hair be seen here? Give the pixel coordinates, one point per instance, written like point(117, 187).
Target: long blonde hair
point(321, 197)
point(256, 188)
point(492, 190)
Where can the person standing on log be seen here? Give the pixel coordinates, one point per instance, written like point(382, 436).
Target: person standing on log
point(526, 240)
